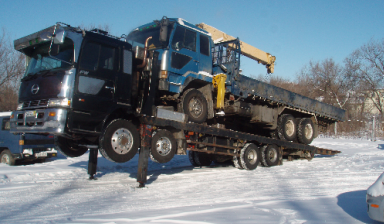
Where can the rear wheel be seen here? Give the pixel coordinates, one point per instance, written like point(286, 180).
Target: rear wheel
point(237, 163)
point(202, 159)
point(286, 127)
point(195, 106)
point(119, 142)
point(270, 155)
point(69, 147)
point(163, 146)
point(7, 157)
point(306, 131)
point(250, 156)
point(191, 157)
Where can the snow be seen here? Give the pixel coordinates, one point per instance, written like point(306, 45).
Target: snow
point(328, 189)
point(377, 188)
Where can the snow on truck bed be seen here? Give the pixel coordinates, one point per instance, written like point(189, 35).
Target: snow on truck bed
point(326, 189)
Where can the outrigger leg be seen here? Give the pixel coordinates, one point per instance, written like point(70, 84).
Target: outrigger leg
point(92, 163)
point(146, 139)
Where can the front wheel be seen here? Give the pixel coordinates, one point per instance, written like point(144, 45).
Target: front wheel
point(7, 158)
point(69, 147)
point(163, 146)
point(119, 142)
point(195, 106)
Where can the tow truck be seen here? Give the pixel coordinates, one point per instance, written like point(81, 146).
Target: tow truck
point(93, 90)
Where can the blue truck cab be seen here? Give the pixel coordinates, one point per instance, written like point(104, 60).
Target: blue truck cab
point(23, 147)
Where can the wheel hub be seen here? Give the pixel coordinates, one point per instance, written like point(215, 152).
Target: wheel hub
point(195, 107)
point(252, 156)
point(290, 128)
point(163, 146)
point(272, 155)
point(5, 159)
point(122, 141)
point(308, 131)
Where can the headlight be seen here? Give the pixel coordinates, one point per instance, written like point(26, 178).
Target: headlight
point(19, 106)
point(59, 102)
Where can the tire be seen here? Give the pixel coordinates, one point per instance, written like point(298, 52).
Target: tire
point(163, 147)
point(250, 156)
point(120, 141)
point(7, 157)
point(270, 155)
point(306, 131)
point(195, 106)
point(202, 159)
point(191, 157)
point(287, 127)
point(237, 163)
point(69, 147)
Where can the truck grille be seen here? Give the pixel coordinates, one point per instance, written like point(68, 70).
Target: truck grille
point(35, 103)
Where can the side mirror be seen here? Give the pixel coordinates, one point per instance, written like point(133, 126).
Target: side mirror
point(163, 37)
point(46, 36)
point(59, 36)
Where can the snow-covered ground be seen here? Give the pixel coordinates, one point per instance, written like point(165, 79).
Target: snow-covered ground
point(324, 190)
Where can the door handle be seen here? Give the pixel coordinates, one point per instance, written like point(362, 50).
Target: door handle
point(196, 61)
point(110, 88)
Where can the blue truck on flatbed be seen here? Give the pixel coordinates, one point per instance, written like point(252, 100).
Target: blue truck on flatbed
point(23, 147)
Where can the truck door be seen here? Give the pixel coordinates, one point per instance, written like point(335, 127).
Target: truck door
point(205, 62)
point(94, 95)
point(184, 56)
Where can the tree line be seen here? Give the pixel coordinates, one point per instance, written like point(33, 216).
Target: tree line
point(355, 85)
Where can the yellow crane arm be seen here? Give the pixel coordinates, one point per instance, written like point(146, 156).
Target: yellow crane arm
point(247, 50)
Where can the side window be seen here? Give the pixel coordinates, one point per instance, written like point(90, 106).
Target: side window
point(90, 85)
point(190, 40)
point(90, 56)
point(96, 56)
point(184, 38)
point(6, 124)
point(204, 45)
point(107, 57)
point(127, 59)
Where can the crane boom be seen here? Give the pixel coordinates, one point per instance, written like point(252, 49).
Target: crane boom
point(247, 50)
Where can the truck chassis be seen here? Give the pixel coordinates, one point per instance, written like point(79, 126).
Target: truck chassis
point(148, 124)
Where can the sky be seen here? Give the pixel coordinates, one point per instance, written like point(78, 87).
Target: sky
point(295, 31)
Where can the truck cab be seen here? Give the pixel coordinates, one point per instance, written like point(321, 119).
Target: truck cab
point(23, 147)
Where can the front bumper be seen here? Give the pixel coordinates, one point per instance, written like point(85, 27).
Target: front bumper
point(37, 153)
point(51, 120)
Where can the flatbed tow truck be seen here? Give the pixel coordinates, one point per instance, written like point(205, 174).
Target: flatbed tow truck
point(271, 151)
point(167, 87)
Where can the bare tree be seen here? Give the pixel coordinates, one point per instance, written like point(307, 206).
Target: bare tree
point(366, 65)
point(326, 81)
point(11, 70)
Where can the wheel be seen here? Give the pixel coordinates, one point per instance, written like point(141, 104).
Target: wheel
point(305, 131)
point(191, 157)
point(249, 156)
point(237, 163)
point(195, 106)
point(163, 146)
point(120, 141)
point(270, 155)
point(7, 157)
point(69, 147)
point(286, 127)
point(202, 159)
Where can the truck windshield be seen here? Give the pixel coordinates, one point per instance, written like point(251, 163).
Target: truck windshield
point(138, 37)
point(41, 61)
